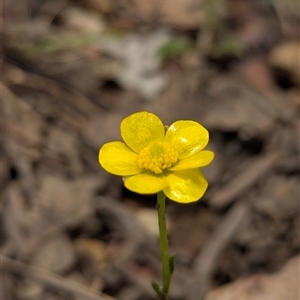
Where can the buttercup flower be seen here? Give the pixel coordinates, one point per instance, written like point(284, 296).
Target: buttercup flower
point(156, 158)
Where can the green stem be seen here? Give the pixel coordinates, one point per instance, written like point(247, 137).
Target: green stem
point(164, 251)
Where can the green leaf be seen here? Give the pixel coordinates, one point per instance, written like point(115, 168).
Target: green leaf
point(156, 288)
point(172, 264)
point(173, 48)
point(228, 45)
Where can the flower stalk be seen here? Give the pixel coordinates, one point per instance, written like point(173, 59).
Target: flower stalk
point(164, 248)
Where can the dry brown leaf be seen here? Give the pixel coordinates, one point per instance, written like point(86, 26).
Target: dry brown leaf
point(283, 285)
point(64, 201)
point(286, 57)
point(79, 20)
point(237, 107)
point(95, 249)
point(186, 14)
point(101, 6)
point(56, 254)
point(62, 143)
point(15, 114)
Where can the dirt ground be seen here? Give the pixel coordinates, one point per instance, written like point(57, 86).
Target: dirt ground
point(72, 70)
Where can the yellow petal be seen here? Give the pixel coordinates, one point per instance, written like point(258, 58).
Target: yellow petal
point(185, 186)
point(118, 159)
point(141, 128)
point(146, 183)
point(187, 137)
point(200, 159)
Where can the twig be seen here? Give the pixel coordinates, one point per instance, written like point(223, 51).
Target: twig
point(51, 279)
point(206, 261)
point(281, 15)
point(243, 181)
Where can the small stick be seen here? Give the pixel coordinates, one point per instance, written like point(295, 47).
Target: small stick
point(51, 279)
point(243, 181)
point(207, 259)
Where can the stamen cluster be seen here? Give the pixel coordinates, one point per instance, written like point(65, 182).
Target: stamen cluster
point(157, 157)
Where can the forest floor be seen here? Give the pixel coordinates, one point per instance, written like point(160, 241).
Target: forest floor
point(72, 70)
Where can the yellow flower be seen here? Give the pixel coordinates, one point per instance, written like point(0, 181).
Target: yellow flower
point(156, 158)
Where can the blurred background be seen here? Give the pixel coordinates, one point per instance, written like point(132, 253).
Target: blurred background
point(72, 70)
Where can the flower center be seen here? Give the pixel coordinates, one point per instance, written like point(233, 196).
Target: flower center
point(157, 156)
